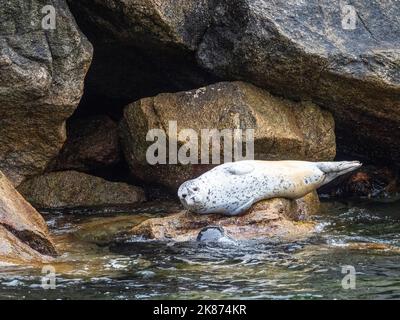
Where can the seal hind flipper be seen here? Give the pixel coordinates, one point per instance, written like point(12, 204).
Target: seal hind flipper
point(333, 170)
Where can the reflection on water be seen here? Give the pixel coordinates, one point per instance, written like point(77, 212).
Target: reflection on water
point(366, 236)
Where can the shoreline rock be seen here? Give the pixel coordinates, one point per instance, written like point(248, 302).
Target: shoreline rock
point(24, 235)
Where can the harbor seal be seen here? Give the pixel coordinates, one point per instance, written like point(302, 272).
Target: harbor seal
point(214, 234)
point(232, 188)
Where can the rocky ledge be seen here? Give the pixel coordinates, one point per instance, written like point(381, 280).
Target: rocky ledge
point(277, 218)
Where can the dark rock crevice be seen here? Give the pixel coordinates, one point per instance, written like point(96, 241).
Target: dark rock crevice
point(140, 50)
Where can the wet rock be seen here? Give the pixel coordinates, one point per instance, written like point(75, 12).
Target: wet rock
point(276, 218)
point(311, 50)
point(282, 129)
point(142, 47)
point(23, 232)
point(372, 246)
point(75, 189)
point(92, 144)
point(104, 230)
point(367, 182)
point(15, 252)
point(41, 83)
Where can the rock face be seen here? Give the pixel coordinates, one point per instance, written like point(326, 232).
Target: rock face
point(92, 143)
point(24, 236)
point(75, 189)
point(41, 83)
point(311, 50)
point(276, 218)
point(142, 47)
point(282, 129)
point(302, 50)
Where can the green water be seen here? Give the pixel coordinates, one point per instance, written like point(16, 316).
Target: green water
point(93, 266)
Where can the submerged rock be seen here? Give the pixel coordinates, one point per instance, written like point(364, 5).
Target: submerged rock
point(41, 82)
point(276, 218)
point(104, 230)
point(75, 189)
point(92, 143)
point(282, 129)
point(24, 236)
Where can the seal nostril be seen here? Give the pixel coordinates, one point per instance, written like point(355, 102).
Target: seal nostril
point(184, 195)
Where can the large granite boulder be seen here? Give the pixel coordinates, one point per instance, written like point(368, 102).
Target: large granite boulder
point(41, 83)
point(277, 219)
point(76, 189)
point(282, 129)
point(24, 236)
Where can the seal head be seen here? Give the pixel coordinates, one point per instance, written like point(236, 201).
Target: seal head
point(211, 233)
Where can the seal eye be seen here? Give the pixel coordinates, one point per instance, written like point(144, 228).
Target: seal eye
point(195, 189)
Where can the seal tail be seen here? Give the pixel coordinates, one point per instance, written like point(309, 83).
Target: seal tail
point(333, 170)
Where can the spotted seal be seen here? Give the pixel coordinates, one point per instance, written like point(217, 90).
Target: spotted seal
point(232, 188)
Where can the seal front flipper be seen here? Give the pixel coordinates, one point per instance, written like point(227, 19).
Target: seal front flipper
point(239, 168)
point(242, 209)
